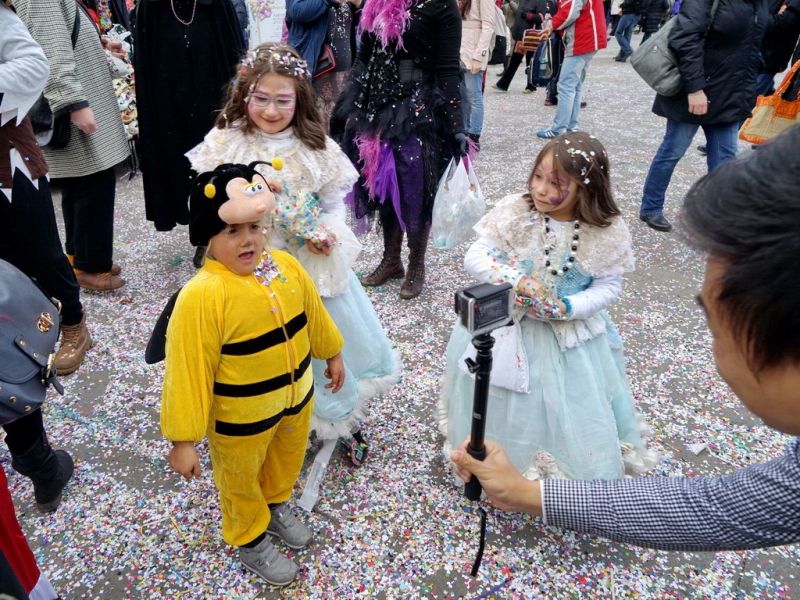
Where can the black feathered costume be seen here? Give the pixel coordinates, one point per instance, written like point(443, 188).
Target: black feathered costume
point(396, 120)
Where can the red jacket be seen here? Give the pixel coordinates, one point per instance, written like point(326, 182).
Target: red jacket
point(583, 25)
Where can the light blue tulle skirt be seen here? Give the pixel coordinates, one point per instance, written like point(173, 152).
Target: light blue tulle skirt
point(370, 367)
point(578, 410)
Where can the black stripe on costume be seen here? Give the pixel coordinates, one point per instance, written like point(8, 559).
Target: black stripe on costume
point(268, 340)
point(232, 390)
point(243, 429)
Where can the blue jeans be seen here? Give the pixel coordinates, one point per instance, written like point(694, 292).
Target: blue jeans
point(570, 81)
point(765, 84)
point(473, 102)
point(721, 144)
point(624, 32)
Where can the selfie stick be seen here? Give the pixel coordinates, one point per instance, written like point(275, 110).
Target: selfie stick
point(481, 368)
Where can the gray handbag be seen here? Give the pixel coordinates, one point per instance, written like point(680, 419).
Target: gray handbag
point(30, 323)
point(655, 62)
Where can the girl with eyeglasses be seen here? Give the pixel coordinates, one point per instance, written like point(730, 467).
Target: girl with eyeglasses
point(270, 114)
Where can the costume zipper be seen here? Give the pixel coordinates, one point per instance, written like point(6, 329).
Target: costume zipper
point(289, 347)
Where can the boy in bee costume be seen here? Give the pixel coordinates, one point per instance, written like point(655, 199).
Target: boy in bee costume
point(238, 350)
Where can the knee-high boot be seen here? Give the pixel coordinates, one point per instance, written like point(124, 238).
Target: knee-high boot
point(415, 276)
point(49, 469)
point(391, 266)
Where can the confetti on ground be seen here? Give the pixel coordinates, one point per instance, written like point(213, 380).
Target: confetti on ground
point(399, 527)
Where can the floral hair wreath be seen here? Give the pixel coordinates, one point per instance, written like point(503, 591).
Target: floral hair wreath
point(297, 66)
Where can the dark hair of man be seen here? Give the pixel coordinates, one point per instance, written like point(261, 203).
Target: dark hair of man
point(281, 59)
point(583, 159)
point(747, 212)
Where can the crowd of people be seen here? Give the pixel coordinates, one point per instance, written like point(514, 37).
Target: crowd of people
point(262, 152)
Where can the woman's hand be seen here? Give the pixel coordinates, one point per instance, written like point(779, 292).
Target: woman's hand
point(183, 459)
point(114, 47)
point(698, 103)
point(477, 66)
point(335, 372)
point(83, 119)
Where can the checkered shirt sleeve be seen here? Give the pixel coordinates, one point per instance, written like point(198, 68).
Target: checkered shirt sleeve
point(753, 507)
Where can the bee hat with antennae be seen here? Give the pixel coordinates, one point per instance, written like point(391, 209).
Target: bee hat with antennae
point(230, 194)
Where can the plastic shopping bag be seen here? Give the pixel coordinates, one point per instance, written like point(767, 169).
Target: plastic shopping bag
point(459, 205)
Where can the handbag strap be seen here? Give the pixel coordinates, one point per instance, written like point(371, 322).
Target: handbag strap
point(787, 79)
point(76, 26)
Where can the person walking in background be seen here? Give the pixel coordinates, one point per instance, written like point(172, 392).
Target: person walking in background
point(582, 26)
point(477, 29)
point(530, 15)
point(653, 12)
point(80, 85)
point(719, 62)
point(631, 14)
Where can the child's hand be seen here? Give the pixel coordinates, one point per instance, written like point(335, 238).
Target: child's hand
point(183, 459)
point(528, 286)
point(276, 187)
point(314, 249)
point(335, 372)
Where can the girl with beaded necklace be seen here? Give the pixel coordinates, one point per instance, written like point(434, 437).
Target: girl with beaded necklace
point(270, 114)
point(560, 402)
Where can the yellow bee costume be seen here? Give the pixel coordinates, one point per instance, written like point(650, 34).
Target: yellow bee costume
point(238, 356)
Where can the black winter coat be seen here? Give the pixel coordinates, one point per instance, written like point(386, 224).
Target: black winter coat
point(652, 12)
point(781, 37)
point(536, 9)
point(724, 63)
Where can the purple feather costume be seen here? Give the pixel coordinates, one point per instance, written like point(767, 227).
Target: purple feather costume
point(400, 108)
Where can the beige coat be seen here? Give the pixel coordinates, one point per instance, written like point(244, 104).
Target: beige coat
point(79, 77)
point(477, 32)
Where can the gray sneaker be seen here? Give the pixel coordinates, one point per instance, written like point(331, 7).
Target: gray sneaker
point(268, 563)
point(287, 527)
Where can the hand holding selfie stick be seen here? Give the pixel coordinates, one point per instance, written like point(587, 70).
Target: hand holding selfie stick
point(482, 309)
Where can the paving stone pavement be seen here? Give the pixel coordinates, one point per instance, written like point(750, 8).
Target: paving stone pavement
point(399, 527)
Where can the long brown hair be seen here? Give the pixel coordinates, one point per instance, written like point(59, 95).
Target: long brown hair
point(309, 126)
point(464, 7)
point(584, 160)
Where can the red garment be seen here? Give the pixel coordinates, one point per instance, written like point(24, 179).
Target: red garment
point(582, 24)
point(16, 550)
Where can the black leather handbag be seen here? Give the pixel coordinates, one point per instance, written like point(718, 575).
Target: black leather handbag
point(30, 323)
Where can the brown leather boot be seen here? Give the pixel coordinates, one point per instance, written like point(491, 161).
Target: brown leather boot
point(101, 282)
point(391, 266)
point(75, 341)
point(415, 277)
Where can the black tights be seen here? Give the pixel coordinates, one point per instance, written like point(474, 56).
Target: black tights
point(23, 433)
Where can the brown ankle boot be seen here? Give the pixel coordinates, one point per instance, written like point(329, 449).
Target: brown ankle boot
point(101, 282)
point(415, 277)
point(115, 268)
point(75, 341)
point(391, 266)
